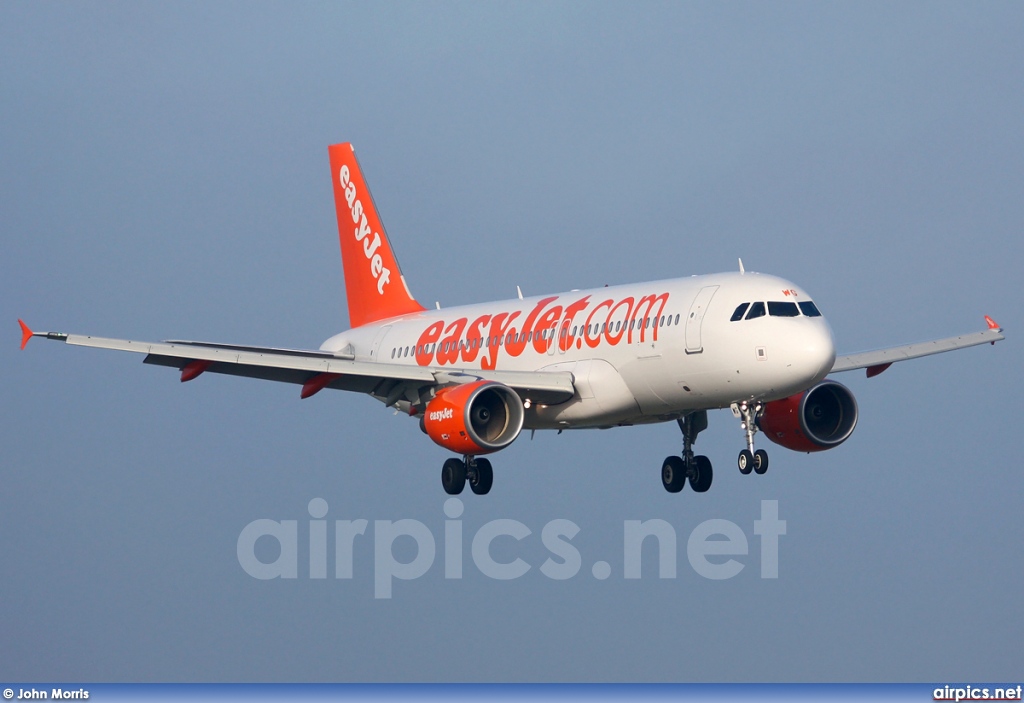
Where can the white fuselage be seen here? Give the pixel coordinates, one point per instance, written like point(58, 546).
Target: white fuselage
point(638, 353)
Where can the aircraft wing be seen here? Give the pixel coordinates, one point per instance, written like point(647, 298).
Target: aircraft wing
point(315, 370)
point(878, 361)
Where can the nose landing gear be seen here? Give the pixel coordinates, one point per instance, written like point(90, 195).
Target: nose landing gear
point(677, 470)
point(748, 459)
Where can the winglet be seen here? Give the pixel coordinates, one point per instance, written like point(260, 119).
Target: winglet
point(26, 333)
point(992, 324)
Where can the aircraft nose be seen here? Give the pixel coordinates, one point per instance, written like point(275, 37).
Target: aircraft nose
point(816, 349)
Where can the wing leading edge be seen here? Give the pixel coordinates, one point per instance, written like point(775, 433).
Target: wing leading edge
point(315, 370)
point(879, 360)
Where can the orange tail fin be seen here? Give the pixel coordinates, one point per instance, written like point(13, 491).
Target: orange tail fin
point(374, 284)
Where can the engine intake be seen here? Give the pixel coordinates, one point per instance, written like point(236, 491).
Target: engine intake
point(820, 418)
point(474, 418)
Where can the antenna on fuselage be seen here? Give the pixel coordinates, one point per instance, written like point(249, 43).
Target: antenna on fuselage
point(742, 270)
point(520, 292)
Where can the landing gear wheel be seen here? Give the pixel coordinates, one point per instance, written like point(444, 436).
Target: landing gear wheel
point(760, 461)
point(483, 477)
point(673, 474)
point(453, 476)
point(700, 479)
point(745, 462)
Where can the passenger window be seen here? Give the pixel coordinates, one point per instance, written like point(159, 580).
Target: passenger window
point(781, 309)
point(677, 318)
point(738, 313)
point(756, 310)
point(810, 309)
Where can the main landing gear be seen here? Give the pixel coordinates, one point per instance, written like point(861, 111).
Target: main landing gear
point(477, 472)
point(676, 470)
point(749, 460)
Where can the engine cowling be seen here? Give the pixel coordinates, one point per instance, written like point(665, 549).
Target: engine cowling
point(820, 418)
point(474, 418)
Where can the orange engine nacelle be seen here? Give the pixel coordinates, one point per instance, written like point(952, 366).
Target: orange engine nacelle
point(474, 418)
point(812, 421)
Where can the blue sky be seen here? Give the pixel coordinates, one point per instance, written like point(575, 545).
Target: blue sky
point(164, 175)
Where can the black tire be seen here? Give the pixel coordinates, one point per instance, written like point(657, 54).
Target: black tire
point(745, 462)
point(453, 476)
point(483, 478)
point(673, 474)
point(700, 482)
point(760, 461)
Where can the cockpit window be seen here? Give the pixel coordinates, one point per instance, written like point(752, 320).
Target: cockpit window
point(810, 309)
point(738, 315)
point(781, 309)
point(756, 310)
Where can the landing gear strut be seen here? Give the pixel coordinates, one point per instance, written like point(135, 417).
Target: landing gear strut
point(676, 470)
point(456, 472)
point(750, 460)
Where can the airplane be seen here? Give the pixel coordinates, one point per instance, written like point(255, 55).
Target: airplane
point(476, 376)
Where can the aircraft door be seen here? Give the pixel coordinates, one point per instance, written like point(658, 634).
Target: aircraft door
point(695, 317)
point(381, 334)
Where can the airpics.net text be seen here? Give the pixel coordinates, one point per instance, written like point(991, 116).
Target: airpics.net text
point(713, 548)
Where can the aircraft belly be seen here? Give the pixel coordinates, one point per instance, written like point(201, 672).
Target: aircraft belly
point(674, 382)
point(602, 398)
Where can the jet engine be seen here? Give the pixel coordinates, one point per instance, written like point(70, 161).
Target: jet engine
point(474, 418)
point(817, 419)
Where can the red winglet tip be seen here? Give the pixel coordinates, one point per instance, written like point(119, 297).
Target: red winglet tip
point(992, 324)
point(26, 333)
